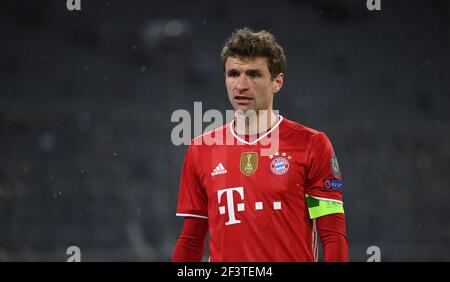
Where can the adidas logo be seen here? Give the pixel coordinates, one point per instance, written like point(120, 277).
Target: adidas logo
point(218, 170)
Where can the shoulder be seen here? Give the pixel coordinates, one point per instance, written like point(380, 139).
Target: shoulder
point(210, 138)
point(300, 129)
point(314, 137)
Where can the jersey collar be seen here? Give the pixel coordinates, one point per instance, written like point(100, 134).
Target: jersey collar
point(280, 119)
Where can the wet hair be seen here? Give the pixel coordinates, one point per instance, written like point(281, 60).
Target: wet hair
point(246, 43)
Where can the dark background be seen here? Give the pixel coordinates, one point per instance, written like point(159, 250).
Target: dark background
point(86, 99)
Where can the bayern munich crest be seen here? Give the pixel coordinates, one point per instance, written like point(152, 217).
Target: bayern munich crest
point(279, 164)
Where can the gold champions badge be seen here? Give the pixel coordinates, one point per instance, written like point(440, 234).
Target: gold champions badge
point(249, 163)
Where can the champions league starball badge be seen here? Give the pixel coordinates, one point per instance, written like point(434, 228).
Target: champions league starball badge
point(335, 167)
point(279, 164)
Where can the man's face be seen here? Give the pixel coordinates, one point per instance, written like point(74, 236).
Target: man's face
point(249, 83)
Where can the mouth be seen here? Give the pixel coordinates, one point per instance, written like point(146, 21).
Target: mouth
point(241, 99)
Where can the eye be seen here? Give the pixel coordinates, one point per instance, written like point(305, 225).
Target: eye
point(254, 74)
point(233, 73)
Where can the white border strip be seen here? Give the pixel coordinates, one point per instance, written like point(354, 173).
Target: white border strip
point(314, 241)
point(259, 138)
point(326, 199)
point(193, 215)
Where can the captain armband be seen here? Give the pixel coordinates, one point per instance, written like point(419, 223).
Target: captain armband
point(319, 207)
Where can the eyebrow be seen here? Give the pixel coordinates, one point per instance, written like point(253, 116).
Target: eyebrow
point(248, 71)
point(232, 70)
point(253, 71)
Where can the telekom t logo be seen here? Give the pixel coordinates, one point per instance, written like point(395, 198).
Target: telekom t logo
point(230, 203)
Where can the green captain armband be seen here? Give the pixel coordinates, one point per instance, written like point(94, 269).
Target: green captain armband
point(318, 208)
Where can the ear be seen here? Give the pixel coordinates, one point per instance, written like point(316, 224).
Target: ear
point(278, 82)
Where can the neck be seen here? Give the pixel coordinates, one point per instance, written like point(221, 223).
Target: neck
point(254, 123)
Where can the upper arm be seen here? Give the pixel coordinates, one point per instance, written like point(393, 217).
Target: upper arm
point(323, 180)
point(192, 198)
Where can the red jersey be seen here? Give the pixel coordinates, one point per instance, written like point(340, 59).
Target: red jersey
point(254, 201)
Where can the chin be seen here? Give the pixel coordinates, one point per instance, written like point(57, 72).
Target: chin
point(243, 108)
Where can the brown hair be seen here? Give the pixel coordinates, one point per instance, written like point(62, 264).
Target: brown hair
point(246, 43)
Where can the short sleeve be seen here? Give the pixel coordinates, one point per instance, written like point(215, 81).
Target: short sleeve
point(192, 198)
point(324, 180)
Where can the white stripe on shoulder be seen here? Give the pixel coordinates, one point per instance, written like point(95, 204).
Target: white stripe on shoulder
point(192, 215)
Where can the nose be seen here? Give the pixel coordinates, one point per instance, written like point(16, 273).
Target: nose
point(241, 84)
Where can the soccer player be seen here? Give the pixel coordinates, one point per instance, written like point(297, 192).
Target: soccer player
point(260, 206)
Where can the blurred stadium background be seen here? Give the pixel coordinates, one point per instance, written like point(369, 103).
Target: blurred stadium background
point(86, 99)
